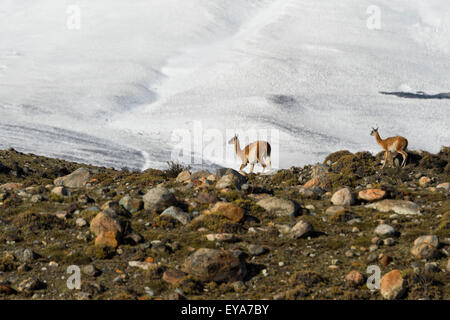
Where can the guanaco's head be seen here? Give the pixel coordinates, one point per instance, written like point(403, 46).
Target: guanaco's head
point(233, 140)
point(374, 132)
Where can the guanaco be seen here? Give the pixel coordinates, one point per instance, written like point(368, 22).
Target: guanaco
point(392, 144)
point(252, 153)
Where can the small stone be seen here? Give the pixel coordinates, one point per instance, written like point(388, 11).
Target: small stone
point(80, 222)
point(229, 210)
point(343, 197)
point(335, 210)
point(355, 278)
point(424, 181)
point(445, 185)
point(239, 286)
point(130, 204)
point(61, 191)
point(173, 276)
point(215, 265)
point(402, 207)
point(278, 206)
point(431, 267)
point(384, 230)
point(393, 286)
point(90, 270)
point(371, 194)
point(158, 199)
point(177, 214)
point(223, 237)
point(448, 265)
point(142, 265)
point(183, 176)
point(385, 259)
point(256, 250)
point(429, 239)
point(301, 229)
point(77, 179)
point(388, 242)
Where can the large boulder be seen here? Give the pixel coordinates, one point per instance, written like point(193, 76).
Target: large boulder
point(76, 179)
point(398, 206)
point(215, 265)
point(278, 206)
point(158, 199)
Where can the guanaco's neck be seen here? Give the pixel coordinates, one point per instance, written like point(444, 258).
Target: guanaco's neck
point(239, 152)
point(379, 140)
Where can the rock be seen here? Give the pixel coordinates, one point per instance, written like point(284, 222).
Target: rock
point(322, 182)
point(278, 206)
point(229, 210)
point(335, 210)
point(61, 191)
point(398, 206)
point(183, 176)
point(431, 267)
point(11, 186)
point(108, 228)
point(389, 242)
point(76, 179)
point(355, 278)
point(202, 174)
point(177, 214)
point(90, 270)
point(385, 259)
point(204, 197)
point(448, 265)
point(143, 265)
point(426, 247)
point(215, 265)
point(392, 286)
point(430, 239)
point(223, 237)
point(6, 290)
point(231, 179)
point(130, 204)
point(80, 222)
point(343, 197)
point(173, 276)
point(256, 250)
point(31, 284)
point(371, 195)
point(301, 229)
point(424, 251)
point(158, 199)
point(424, 181)
point(384, 230)
point(239, 286)
point(445, 185)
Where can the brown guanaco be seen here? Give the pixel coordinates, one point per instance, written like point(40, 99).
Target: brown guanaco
point(252, 153)
point(392, 144)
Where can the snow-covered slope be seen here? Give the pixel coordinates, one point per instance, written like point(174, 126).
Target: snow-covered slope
point(112, 92)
